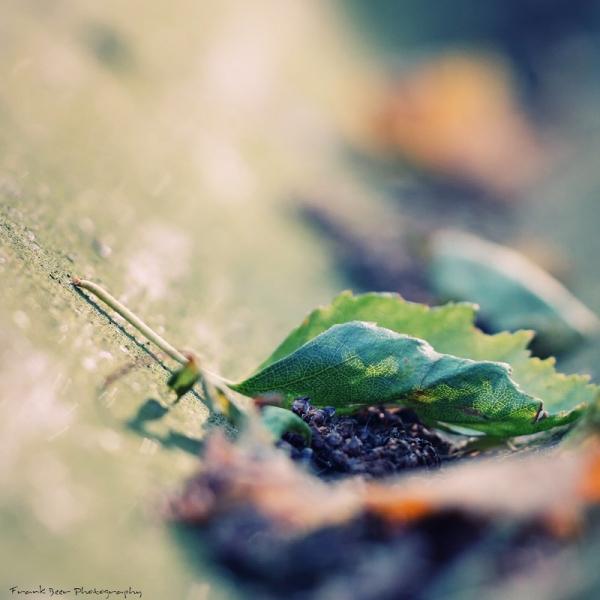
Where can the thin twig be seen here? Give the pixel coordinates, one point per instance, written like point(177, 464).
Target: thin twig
point(131, 318)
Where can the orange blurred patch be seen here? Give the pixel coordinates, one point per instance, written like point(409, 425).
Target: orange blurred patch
point(589, 487)
point(564, 523)
point(398, 508)
point(459, 116)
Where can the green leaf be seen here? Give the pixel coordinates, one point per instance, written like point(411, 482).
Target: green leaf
point(281, 420)
point(362, 364)
point(449, 329)
point(184, 379)
point(512, 291)
point(357, 364)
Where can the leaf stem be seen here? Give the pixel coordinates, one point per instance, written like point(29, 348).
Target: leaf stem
point(131, 318)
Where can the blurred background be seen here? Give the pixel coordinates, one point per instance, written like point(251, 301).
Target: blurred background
point(223, 167)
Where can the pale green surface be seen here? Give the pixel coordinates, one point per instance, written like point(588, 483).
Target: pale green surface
point(145, 164)
point(360, 363)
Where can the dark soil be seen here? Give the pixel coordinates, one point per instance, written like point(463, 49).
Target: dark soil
point(374, 443)
point(367, 559)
